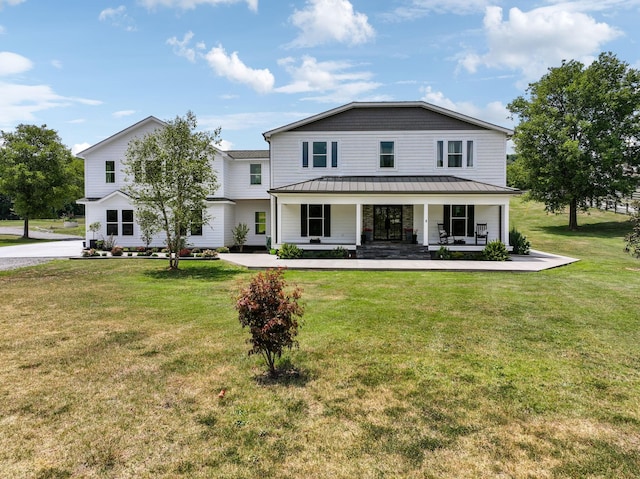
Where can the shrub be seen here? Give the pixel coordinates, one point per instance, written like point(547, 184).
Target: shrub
point(196, 250)
point(89, 252)
point(222, 249)
point(273, 251)
point(289, 251)
point(520, 243)
point(457, 255)
point(209, 253)
point(495, 251)
point(184, 253)
point(443, 253)
point(339, 252)
point(271, 315)
point(109, 243)
point(240, 233)
point(116, 251)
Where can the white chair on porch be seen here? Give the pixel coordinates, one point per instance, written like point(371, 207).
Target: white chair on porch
point(443, 236)
point(481, 232)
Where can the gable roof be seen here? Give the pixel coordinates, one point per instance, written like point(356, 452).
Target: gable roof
point(386, 116)
point(100, 144)
point(438, 184)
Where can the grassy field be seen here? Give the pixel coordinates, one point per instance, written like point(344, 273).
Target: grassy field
point(113, 368)
point(53, 225)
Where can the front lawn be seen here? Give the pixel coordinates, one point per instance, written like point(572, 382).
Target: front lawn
point(113, 369)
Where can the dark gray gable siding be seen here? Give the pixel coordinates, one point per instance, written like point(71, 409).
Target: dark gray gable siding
point(387, 119)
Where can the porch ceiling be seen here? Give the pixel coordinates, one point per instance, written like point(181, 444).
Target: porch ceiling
point(393, 185)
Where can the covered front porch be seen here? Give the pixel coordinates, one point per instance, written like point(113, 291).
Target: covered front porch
point(353, 211)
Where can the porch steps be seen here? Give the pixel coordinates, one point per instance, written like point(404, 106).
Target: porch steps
point(384, 250)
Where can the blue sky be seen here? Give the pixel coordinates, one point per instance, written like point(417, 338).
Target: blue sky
point(89, 68)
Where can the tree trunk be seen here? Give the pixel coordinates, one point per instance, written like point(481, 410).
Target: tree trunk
point(573, 215)
point(25, 233)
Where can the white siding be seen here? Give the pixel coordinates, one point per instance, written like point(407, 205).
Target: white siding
point(343, 225)
point(238, 180)
point(415, 154)
point(245, 213)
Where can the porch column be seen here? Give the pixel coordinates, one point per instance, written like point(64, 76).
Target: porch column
point(505, 218)
point(273, 232)
point(425, 225)
point(279, 221)
point(358, 224)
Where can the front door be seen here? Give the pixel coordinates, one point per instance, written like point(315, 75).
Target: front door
point(387, 222)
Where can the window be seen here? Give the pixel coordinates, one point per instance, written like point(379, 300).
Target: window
point(112, 222)
point(459, 220)
point(261, 222)
point(387, 157)
point(319, 154)
point(255, 171)
point(454, 154)
point(110, 171)
point(315, 220)
point(127, 222)
point(320, 151)
point(196, 223)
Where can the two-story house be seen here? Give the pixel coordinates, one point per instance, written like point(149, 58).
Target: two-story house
point(385, 171)
point(241, 197)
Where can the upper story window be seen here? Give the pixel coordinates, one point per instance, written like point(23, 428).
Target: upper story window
point(255, 172)
point(110, 171)
point(454, 154)
point(320, 152)
point(387, 155)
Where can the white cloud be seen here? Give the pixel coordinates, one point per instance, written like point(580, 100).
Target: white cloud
point(533, 41)
point(78, 147)
point(191, 4)
point(420, 8)
point(336, 80)
point(118, 17)
point(181, 47)
point(10, 2)
point(494, 112)
point(20, 103)
point(122, 113)
point(324, 21)
point(13, 64)
point(231, 67)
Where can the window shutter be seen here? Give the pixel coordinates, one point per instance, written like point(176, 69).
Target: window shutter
point(334, 154)
point(303, 219)
point(471, 230)
point(447, 218)
point(327, 220)
point(305, 154)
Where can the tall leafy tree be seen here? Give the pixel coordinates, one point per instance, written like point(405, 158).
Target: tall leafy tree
point(37, 172)
point(579, 133)
point(169, 178)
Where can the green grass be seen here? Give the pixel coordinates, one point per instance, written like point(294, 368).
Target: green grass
point(112, 369)
point(55, 225)
point(10, 240)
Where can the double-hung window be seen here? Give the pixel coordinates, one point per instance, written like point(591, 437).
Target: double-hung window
point(454, 154)
point(387, 154)
point(261, 222)
point(127, 222)
point(195, 228)
point(110, 171)
point(120, 221)
point(112, 222)
point(320, 152)
point(255, 171)
point(315, 220)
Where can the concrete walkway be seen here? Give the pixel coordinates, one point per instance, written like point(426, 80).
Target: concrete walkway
point(19, 256)
point(536, 261)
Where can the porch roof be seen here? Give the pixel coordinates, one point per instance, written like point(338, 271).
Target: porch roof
point(439, 184)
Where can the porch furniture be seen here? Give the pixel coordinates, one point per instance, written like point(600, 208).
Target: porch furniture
point(481, 232)
point(443, 235)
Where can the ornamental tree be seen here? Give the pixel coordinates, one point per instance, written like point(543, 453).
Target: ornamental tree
point(37, 172)
point(271, 314)
point(170, 177)
point(633, 238)
point(579, 133)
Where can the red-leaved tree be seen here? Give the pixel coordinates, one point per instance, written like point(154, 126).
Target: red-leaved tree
point(271, 314)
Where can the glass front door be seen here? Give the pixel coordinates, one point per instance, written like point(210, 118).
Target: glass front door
point(387, 223)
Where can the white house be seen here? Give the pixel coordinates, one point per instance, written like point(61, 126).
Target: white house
point(383, 171)
point(241, 197)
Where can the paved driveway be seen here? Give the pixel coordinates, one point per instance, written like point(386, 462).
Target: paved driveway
point(18, 256)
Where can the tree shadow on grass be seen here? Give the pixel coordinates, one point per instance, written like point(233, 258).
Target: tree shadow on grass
point(207, 271)
point(609, 229)
point(290, 376)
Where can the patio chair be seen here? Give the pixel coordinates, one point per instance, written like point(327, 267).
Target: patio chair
point(481, 232)
point(443, 235)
